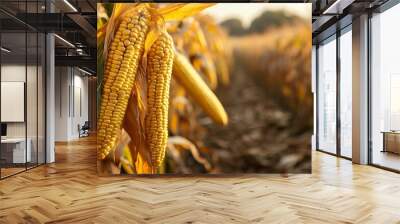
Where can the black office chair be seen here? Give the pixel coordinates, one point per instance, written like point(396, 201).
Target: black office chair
point(84, 130)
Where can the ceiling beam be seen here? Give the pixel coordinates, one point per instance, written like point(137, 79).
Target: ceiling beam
point(337, 7)
point(81, 61)
point(86, 27)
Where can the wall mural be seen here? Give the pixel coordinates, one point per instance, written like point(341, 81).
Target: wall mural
point(190, 88)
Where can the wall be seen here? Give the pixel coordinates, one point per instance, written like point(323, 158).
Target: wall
point(71, 102)
point(14, 72)
point(79, 103)
point(62, 81)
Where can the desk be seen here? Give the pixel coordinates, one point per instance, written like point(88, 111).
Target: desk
point(13, 150)
point(391, 141)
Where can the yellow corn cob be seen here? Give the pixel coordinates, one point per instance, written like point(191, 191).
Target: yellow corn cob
point(120, 71)
point(195, 86)
point(159, 69)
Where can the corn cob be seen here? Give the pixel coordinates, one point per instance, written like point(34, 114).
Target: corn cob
point(120, 71)
point(195, 86)
point(159, 69)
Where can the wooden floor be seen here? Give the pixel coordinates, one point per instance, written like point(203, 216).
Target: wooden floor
point(69, 191)
point(10, 171)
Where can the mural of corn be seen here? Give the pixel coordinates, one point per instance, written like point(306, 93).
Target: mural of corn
point(158, 67)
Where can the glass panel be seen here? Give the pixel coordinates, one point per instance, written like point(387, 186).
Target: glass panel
point(32, 88)
point(23, 85)
point(14, 151)
point(327, 96)
point(313, 86)
point(346, 94)
point(41, 89)
point(41, 98)
point(13, 87)
point(385, 89)
point(31, 97)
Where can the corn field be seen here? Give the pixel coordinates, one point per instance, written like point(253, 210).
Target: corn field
point(283, 65)
point(164, 71)
point(269, 102)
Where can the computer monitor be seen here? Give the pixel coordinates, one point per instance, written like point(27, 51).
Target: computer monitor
point(3, 129)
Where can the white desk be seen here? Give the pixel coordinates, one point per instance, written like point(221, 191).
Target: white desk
point(18, 148)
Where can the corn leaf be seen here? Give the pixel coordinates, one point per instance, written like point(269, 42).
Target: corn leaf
point(179, 11)
point(185, 144)
point(151, 37)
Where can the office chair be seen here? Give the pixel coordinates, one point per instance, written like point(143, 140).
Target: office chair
point(84, 130)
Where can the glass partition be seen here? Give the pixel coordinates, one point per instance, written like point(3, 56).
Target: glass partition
point(327, 95)
point(385, 89)
point(313, 88)
point(346, 93)
point(22, 88)
point(13, 104)
point(41, 96)
point(31, 99)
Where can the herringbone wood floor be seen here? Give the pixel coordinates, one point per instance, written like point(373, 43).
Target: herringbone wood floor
point(69, 191)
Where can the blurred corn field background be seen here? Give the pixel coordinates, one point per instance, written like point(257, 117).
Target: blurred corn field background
point(269, 102)
point(201, 96)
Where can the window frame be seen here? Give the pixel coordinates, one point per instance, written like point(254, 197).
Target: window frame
point(336, 35)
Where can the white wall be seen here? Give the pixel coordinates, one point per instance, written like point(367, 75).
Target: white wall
point(16, 73)
point(80, 103)
point(71, 94)
point(62, 81)
point(10, 73)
